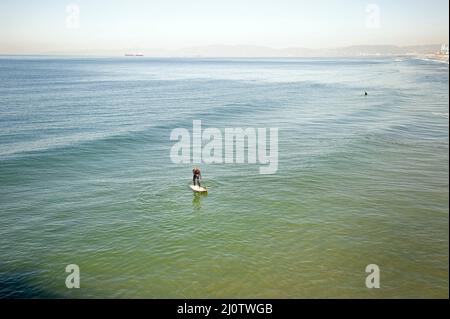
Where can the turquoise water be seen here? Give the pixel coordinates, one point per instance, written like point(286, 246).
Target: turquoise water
point(86, 178)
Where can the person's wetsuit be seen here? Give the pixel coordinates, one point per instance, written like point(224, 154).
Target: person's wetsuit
point(196, 176)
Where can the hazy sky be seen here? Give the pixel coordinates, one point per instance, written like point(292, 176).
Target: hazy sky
point(118, 25)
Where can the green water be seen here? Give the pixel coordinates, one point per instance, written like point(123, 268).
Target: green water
point(86, 179)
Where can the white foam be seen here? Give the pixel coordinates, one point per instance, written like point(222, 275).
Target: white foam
point(434, 60)
point(441, 114)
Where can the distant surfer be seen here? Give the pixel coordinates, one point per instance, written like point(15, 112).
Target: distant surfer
point(197, 175)
point(365, 93)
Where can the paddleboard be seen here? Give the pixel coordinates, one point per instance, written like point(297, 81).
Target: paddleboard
point(198, 189)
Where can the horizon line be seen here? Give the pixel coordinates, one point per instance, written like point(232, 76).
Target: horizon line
point(178, 52)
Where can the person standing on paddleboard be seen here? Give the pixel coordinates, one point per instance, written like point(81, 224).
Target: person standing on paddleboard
point(197, 175)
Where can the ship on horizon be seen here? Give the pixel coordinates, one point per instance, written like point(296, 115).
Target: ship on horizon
point(134, 54)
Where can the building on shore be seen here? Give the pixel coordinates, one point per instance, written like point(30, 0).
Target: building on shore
point(444, 49)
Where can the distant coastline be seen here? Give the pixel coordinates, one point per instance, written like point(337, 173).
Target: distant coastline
point(249, 51)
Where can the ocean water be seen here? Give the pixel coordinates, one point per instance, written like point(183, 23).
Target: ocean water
point(86, 178)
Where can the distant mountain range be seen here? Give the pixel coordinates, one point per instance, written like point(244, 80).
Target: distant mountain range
point(247, 51)
point(261, 51)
